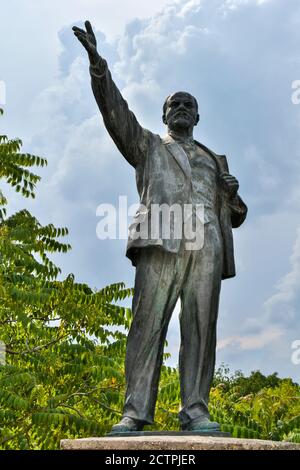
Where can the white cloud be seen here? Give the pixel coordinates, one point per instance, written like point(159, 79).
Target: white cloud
point(191, 6)
point(234, 4)
point(29, 54)
point(267, 172)
point(251, 342)
point(288, 288)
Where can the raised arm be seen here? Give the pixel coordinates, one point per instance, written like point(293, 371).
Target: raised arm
point(130, 137)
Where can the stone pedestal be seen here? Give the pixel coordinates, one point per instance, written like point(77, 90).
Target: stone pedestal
point(174, 443)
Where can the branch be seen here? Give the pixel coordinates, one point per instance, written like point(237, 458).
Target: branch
point(72, 408)
point(36, 348)
point(106, 407)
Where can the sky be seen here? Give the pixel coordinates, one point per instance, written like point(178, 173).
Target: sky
point(240, 59)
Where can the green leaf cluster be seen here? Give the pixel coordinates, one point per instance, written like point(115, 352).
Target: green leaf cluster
point(258, 406)
point(63, 374)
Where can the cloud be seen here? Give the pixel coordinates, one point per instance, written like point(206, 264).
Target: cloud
point(280, 307)
point(234, 4)
point(192, 6)
point(250, 342)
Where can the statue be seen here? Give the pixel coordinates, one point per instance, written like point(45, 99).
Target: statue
point(172, 170)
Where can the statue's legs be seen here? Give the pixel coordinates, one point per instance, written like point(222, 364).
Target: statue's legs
point(198, 321)
point(158, 281)
point(160, 278)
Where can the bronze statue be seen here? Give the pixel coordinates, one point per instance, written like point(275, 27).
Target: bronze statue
point(172, 170)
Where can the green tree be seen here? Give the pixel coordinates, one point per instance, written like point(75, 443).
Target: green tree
point(265, 407)
point(63, 375)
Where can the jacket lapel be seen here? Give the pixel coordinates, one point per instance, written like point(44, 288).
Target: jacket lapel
point(178, 154)
point(221, 160)
point(182, 159)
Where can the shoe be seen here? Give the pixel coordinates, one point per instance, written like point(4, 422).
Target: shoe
point(127, 425)
point(201, 424)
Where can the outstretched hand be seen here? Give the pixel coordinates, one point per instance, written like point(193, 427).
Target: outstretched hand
point(88, 40)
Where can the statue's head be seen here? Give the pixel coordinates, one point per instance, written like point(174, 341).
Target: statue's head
point(180, 111)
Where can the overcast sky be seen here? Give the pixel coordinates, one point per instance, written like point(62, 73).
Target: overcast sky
point(239, 58)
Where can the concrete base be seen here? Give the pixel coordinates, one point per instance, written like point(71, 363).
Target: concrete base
point(168, 442)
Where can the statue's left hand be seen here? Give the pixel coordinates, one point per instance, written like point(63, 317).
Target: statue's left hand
point(229, 183)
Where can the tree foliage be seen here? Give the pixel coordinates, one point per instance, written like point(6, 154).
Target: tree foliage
point(65, 345)
point(63, 375)
point(258, 406)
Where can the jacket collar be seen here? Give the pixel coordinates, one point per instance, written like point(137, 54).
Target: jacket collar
point(178, 153)
point(181, 157)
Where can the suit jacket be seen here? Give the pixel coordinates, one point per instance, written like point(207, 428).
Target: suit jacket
point(163, 173)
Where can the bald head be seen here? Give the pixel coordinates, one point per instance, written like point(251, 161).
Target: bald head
point(180, 112)
point(179, 94)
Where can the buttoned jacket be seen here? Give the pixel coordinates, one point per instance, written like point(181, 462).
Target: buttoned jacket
point(163, 173)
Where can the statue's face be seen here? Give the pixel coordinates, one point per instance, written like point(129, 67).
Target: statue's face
point(181, 112)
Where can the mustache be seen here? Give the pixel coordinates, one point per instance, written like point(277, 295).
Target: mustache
point(182, 113)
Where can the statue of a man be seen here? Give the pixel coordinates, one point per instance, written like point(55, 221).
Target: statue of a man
point(172, 170)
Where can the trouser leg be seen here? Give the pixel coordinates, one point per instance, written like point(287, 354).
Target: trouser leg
point(157, 287)
point(198, 321)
